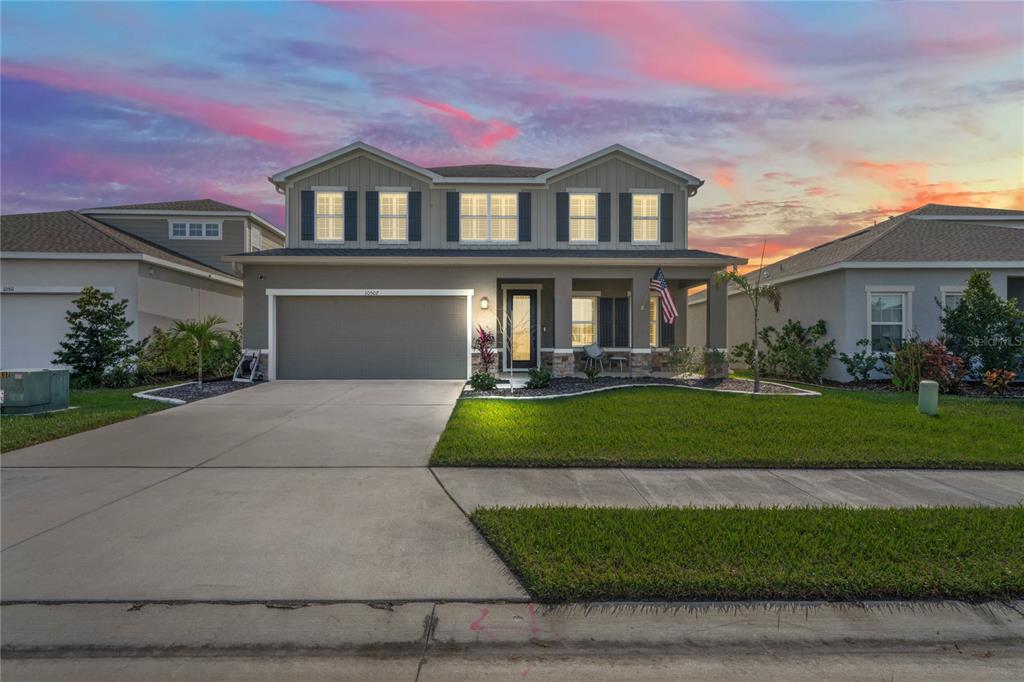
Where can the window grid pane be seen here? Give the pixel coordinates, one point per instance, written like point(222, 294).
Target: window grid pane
point(583, 206)
point(195, 229)
point(212, 230)
point(504, 229)
point(654, 322)
point(584, 321)
point(179, 229)
point(582, 229)
point(328, 228)
point(474, 229)
point(887, 308)
point(504, 205)
point(330, 216)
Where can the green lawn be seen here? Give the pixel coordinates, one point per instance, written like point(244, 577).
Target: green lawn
point(576, 554)
point(95, 408)
point(670, 427)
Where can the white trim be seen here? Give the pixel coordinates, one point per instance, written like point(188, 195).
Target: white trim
point(489, 216)
point(505, 290)
point(158, 213)
point(659, 191)
point(907, 291)
point(15, 289)
point(881, 265)
point(273, 294)
point(145, 258)
point(449, 261)
point(327, 188)
point(358, 145)
point(641, 351)
point(582, 190)
point(392, 189)
point(563, 351)
point(946, 290)
point(145, 395)
point(194, 221)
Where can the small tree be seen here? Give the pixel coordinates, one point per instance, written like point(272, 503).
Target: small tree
point(754, 291)
point(203, 336)
point(98, 336)
point(983, 329)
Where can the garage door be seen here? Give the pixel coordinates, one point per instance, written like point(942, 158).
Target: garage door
point(32, 327)
point(379, 337)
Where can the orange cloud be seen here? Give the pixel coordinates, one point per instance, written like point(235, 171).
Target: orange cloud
point(467, 128)
point(725, 176)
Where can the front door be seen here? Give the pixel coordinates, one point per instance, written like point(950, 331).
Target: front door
point(521, 328)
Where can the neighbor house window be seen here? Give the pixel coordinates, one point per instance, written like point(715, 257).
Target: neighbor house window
point(645, 217)
point(582, 217)
point(951, 297)
point(394, 216)
point(188, 229)
point(654, 322)
point(888, 320)
point(488, 217)
point(330, 216)
point(584, 320)
point(255, 240)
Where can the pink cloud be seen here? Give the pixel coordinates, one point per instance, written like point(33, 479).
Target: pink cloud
point(229, 119)
point(467, 128)
point(725, 176)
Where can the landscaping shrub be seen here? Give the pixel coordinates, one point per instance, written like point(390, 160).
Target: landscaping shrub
point(484, 343)
point(163, 354)
point(794, 352)
point(997, 380)
point(686, 360)
point(483, 381)
point(861, 364)
point(904, 364)
point(593, 373)
point(716, 364)
point(539, 378)
point(941, 366)
point(984, 329)
point(97, 338)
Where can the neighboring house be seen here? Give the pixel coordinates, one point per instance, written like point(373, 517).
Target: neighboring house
point(883, 283)
point(47, 258)
point(389, 266)
point(201, 229)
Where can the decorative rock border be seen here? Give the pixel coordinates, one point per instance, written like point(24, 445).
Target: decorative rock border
point(145, 395)
point(220, 387)
point(791, 391)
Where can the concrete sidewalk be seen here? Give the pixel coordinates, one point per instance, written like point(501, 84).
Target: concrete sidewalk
point(476, 487)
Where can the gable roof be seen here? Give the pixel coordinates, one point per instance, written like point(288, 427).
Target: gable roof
point(491, 173)
point(70, 232)
point(933, 233)
point(183, 207)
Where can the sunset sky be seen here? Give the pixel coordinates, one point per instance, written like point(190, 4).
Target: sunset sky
point(808, 120)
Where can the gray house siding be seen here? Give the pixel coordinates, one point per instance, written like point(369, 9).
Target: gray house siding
point(362, 173)
point(206, 251)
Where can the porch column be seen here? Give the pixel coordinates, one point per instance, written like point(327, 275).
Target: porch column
point(640, 325)
point(681, 297)
point(562, 362)
point(717, 314)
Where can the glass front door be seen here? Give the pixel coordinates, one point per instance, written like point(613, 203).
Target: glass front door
point(521, 328)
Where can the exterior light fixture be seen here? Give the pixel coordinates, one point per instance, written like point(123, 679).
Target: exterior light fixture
point(484, 303)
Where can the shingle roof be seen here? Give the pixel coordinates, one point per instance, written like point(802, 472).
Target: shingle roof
point(72, 232)
point(490, 253)
point(199, 205)
point(489, 170)
point(906, 238)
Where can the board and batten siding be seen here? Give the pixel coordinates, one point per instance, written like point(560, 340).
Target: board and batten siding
point(206, 251)
point(362, 173)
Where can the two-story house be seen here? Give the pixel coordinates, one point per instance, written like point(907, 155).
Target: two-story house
point(389, 266)
point(163, 258)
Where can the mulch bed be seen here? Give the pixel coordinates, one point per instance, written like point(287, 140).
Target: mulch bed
point(570, 386)
point(191, 392)
point(967, 389)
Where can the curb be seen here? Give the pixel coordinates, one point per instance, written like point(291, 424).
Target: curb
point(803, 393)
point(145, 395)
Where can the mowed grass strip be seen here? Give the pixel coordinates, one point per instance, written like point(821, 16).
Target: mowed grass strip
point(94, 408)
point(671, 427)
point(564, 554)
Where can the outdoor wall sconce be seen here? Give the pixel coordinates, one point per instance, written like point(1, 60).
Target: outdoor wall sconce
point(484, 303)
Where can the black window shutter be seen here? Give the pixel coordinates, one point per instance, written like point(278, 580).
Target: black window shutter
point(604, 217)
point(666, 217)
point(625, 217)
point(562, 216)
point(622, 323)
point(666, 331)
point(415, 216)
point(372, 216)
point(525, 216)
point(308, 215)
point(605, 322)
point(452, 205)
point(351, 216)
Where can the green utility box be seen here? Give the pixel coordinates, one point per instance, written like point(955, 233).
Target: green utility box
point(31, 391)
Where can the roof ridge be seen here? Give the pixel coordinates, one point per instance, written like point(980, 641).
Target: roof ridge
point(896, 222)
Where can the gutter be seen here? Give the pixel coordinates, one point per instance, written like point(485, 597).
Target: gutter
point(145, 258)
point(477, 260)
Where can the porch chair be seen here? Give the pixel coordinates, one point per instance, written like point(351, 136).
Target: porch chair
point(595, 356)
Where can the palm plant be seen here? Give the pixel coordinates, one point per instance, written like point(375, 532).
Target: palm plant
point(754, 291)
point(202, 335)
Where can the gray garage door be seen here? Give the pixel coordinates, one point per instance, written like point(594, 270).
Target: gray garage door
point(357, 337)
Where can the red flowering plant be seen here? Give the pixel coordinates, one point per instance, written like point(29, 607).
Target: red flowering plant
point(998, 380)
point(484, 344)
point(942, 366)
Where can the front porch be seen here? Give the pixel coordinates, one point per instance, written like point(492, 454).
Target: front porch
point(549, 322)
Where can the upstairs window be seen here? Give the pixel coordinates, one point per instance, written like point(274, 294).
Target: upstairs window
point(394, 216)
point(330, 216)
point(582, 217)
point(187, 229)
point(645, 217)
point(488, 217)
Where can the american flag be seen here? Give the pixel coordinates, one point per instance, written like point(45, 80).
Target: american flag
point(668, 306)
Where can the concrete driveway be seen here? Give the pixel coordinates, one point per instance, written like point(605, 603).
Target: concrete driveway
point(290, 490)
